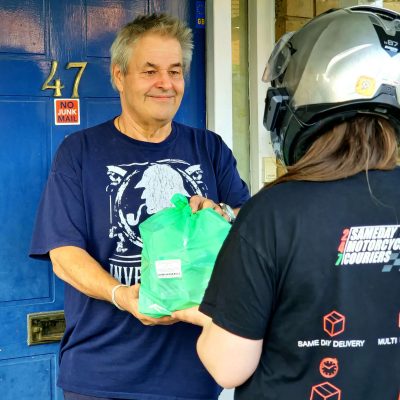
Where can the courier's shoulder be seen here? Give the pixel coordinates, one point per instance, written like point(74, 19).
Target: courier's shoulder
point(283, 198)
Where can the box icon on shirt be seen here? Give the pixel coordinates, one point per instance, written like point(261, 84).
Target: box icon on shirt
point(334, 323)
point(325, 391)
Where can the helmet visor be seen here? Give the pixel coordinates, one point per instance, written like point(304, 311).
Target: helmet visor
point(279, 59)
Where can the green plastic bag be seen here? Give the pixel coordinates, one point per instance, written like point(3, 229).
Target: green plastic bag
point(178, 256)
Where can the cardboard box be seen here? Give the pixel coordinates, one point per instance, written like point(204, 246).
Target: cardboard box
point(324, 5)
point(297, 8)
point(288, 24)
point(273, 169)
point(392, 5)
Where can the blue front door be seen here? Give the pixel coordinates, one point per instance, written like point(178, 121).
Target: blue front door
point(36, 36)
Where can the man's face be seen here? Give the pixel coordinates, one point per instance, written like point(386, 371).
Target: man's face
point(152, 89)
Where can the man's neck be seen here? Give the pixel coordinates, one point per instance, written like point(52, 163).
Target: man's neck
point(151, 132)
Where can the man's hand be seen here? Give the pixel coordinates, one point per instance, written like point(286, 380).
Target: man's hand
point(128, 298)
point(199, 203)
point(76, 267)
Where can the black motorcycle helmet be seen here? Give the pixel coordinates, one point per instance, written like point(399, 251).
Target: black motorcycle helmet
point(342, 63)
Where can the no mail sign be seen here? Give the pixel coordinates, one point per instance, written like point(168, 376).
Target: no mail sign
point(67, 112)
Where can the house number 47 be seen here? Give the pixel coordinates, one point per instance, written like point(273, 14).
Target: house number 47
point(57, 85)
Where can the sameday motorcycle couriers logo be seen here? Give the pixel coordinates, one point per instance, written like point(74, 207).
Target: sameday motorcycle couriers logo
point(370, 245)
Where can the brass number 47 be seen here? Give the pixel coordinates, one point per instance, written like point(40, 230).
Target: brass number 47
point(57, 82)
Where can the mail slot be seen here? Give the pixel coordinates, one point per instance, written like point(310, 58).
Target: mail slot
point(45, 327)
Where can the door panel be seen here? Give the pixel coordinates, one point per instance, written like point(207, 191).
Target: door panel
point(104, 19)
point(23, 27)
point(14, 373)
point(21, 166)
point(97, 108)
point(21, 77)
point(192, 111)
point(33, 33)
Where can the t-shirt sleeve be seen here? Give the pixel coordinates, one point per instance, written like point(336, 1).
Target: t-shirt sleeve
point(232, 189)
point(60, 219)
point(239, 297)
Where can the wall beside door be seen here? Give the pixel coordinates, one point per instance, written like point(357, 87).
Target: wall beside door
point(240, 88)
point(292, 15)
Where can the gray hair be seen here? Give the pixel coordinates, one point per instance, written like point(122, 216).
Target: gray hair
point(162, 24)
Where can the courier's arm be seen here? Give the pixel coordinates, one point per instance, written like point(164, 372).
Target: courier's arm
point(76, 267)
point(229, 358)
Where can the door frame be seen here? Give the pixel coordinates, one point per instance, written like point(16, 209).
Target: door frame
point(261, 15)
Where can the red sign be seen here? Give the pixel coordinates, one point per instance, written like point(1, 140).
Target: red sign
point(66, 112)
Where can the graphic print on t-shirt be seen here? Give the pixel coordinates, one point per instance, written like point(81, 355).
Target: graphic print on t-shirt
point(334, 323)
point(325, 391)
point(329, 367)
point(362, 245)
point(137, 191)
point(370, 245)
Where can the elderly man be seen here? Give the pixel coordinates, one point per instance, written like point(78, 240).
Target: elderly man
point(104, 181)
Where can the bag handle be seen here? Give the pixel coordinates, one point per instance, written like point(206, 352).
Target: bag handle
point(180, 201)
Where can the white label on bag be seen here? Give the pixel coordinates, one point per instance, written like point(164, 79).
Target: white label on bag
point(169, 269)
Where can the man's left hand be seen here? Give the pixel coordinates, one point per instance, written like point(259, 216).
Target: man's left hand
point(200, 203)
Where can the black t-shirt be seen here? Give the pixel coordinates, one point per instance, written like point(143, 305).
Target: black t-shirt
point(313, 269)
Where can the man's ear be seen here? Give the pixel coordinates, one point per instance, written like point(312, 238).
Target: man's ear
point(118, 77)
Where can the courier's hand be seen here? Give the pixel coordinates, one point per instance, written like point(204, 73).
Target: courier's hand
point(199, 203)
point(193, 316)
point(128, 298)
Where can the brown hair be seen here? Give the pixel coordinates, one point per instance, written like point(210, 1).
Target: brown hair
point(360, 144)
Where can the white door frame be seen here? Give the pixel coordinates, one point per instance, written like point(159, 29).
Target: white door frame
point(261, 14)
point(219, 69)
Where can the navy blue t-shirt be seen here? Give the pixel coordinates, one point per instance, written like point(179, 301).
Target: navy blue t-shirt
point(101, 186)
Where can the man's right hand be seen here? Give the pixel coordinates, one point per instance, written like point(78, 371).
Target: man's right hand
point(78, 268)
point(127, 297)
